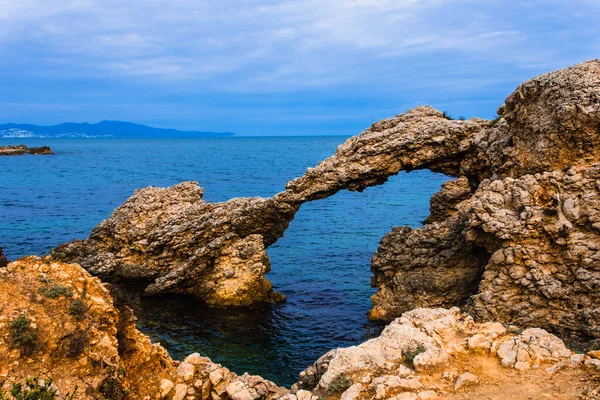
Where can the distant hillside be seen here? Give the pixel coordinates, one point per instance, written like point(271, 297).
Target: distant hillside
point(116, 129)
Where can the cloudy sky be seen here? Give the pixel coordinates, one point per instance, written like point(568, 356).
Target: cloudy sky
point(273, 67)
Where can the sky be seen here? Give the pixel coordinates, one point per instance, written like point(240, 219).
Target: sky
point(272, 67)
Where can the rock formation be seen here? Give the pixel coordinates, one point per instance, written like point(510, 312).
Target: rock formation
point(22, 149)
point(422, 138)
point(60, 325)
point(514, 237)
point(527, 231)
point(65, 332)
point(440, 353)
point(215, 251)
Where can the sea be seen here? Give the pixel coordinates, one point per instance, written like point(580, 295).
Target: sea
point(322, 263)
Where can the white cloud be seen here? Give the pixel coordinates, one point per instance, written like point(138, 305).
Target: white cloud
point(282, 45)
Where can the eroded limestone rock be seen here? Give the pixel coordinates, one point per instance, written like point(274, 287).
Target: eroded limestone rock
point(428, 353)
point(543, 232)
point(434, 266)
point(421, 138)
point(172, 237)
point(514, 237)
point(75, 334)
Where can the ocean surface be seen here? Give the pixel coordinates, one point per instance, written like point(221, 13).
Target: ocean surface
point(322, 264)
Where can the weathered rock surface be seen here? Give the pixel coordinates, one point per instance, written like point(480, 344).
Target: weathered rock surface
point(434, 266)
point(548, 123)
point(422, 138)
point(543, 232)
point(436, 353)
point(74, 333)
point(184, 245)
point(95, 349)
point(520, 218)
point(22, 149)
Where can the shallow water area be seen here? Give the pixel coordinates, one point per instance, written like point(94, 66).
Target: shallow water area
point(322, 264)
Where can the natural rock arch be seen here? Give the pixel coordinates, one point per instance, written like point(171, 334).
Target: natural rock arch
point(500, 206)
point(216, 251)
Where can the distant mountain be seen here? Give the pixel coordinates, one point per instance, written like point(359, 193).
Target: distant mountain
point(117, 129)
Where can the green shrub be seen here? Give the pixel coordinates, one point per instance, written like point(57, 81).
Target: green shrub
point(79, 307)
point(410, 354)
point(339, 384)
point(496, 120)
point(32, 390)
point(22, 335)
point(446, 115)
point(112, 389)
point(55, 291)
point(77, 342)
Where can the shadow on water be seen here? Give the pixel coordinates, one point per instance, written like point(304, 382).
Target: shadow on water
point(255, 339)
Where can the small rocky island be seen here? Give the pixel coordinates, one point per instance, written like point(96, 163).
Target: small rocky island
point(22, 149)
point(478, 301)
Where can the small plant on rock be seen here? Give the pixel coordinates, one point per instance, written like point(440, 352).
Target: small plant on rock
point(496, 120)
point(57, 255)
point(410, 354)
point(55, 291)
point(112, 388)
point(79, 307)
point(77, 342)
point(22, 335)
point(32, 390)
point(446, 115)
point(339, 384)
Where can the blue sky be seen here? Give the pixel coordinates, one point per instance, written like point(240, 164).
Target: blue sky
point(278, 67)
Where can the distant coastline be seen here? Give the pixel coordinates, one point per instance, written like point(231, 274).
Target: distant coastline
point(103, 129)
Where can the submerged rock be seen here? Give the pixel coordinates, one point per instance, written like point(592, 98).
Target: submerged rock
point(3, 260)
point(22, 149)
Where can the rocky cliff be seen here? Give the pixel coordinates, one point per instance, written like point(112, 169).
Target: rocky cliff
point(63, 333)
point(514, 237)
point(523, 246)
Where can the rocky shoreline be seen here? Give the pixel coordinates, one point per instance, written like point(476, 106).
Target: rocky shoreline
point(22, 150)
point(513, 241)
point(59, 322)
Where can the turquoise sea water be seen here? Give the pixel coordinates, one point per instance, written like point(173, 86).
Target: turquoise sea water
point(322, 264)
